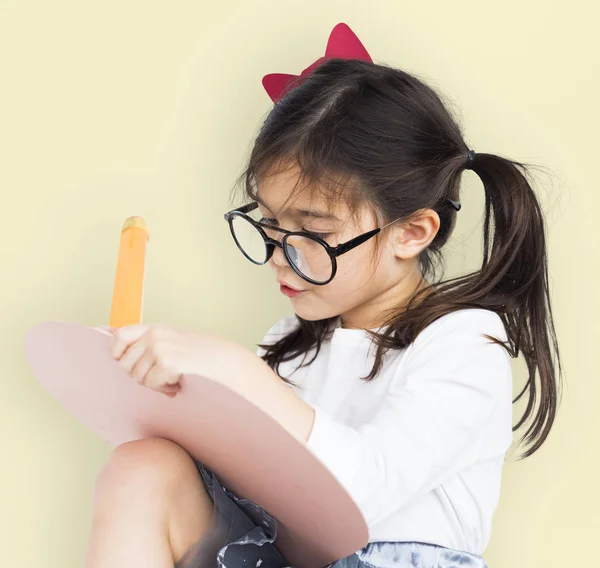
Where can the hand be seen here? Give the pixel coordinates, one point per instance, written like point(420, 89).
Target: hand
point(158, 355)
point(176, 352)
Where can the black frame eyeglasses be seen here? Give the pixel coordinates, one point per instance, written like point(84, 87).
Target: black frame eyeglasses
point(270, 244)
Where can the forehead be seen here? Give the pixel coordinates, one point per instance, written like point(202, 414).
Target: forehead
point(283, 193)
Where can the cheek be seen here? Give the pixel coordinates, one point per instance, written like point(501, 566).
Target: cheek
point(353, 279)
point(356, 265)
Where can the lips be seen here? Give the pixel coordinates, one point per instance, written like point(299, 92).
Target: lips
point(288, 286)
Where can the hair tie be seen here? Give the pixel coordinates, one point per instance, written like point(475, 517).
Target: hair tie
point(455, 204)
point(470, 160)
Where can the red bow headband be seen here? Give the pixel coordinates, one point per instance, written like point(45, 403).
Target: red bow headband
point(342, 44)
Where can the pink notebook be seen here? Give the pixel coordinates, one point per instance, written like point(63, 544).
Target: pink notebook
point(249, 451)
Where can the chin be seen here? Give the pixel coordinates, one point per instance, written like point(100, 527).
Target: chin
point(312, 313)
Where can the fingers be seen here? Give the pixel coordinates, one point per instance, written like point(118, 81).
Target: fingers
point(129, 355)
point(127, 337)
point(131, 333)
point(141, 368)
point(145, 370)
point(171, 390)
point(158, 378)
point(144, 358)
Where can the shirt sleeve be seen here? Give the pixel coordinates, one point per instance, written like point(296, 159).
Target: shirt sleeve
point(432, 421)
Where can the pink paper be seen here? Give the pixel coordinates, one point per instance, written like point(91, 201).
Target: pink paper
point(249, 451)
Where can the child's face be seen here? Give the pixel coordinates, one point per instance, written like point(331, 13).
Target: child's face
point(362, 287)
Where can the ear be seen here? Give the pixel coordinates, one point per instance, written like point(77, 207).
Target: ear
point(412, 237)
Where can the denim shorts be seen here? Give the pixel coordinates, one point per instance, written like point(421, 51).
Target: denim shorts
point(242, 535)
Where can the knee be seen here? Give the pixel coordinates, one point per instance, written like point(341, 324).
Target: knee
point(150, 465)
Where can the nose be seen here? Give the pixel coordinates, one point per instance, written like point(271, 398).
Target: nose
point(278, 257)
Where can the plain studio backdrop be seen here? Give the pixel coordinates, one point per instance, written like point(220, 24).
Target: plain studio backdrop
point(111, 109)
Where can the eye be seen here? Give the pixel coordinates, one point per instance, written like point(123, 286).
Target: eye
point(319, 235)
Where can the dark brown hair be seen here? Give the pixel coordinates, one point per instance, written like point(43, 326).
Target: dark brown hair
point(379, 137)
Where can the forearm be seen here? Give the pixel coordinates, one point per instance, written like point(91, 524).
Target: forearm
point(247, 374)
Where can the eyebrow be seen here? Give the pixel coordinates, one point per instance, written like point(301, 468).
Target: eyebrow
point(303, 212)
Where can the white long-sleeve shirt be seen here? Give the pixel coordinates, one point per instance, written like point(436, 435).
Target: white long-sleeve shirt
point(420, 448)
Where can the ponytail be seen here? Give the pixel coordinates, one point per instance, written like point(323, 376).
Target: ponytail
point(513, 282)
point(514, 274)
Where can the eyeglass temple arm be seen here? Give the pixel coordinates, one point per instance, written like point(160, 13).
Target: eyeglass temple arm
point(349, 245)
point(244, 209)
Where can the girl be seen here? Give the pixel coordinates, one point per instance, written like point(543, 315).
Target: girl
point(398, 382)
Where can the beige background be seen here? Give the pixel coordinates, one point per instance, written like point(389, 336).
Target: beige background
point(111, 109)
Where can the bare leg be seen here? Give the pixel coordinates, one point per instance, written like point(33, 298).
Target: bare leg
point(150, 507)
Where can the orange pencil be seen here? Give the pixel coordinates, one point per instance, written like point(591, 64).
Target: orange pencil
point(128, 293)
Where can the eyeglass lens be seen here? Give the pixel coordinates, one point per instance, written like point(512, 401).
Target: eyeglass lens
point(308, 256)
